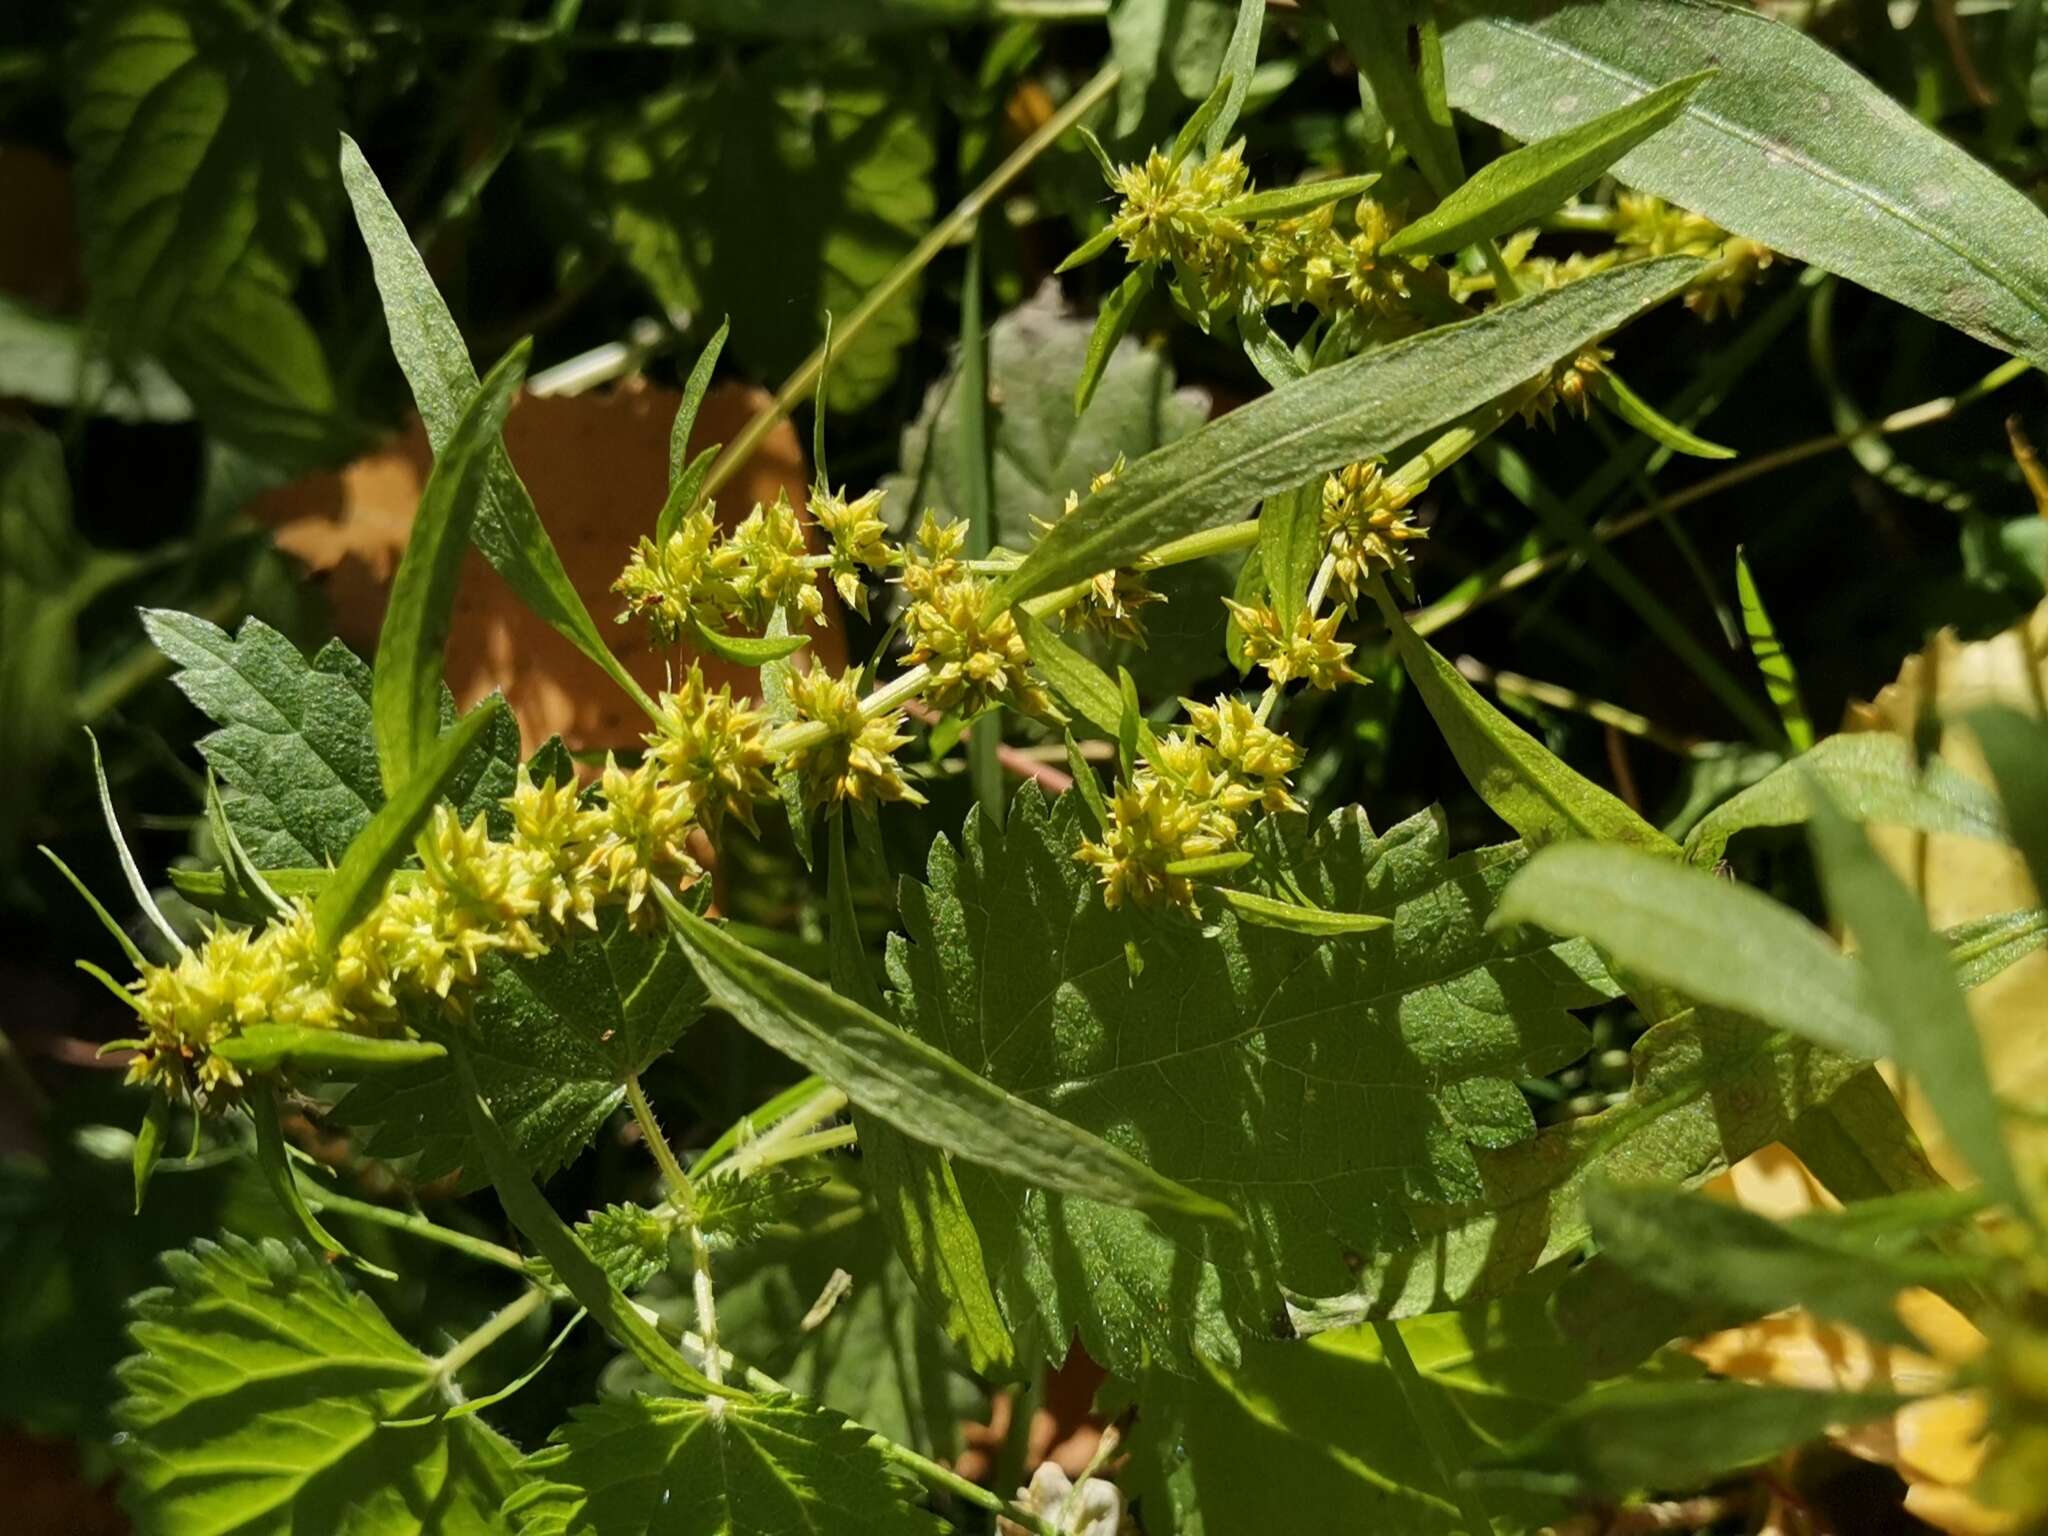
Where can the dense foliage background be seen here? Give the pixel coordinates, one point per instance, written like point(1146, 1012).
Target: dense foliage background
point(197, 397)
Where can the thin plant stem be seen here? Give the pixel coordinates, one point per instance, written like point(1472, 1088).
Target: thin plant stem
point(322, 1199)
point(683, 1195)
point(494, 1328)
point(799, 384)
point(1514, 685)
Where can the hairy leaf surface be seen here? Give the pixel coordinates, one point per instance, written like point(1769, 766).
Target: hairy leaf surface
point(257, 1405)
point(1328, 1090)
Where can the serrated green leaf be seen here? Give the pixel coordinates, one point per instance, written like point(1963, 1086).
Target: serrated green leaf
point(551, 1040)
point(921, 1091)
point(915, 1190)
point(1874, 776)
point(1716, 942)
point(1708, 1090)
point(629, 1242)
point(1112, 325)
point(1787, 144)
point(1302, 1082)
point(1629, 1438)
point(1909, 985)
point(204, 141)
point(1360, 409)
point(1082, 684)
point(386, 839)
point(1525, 784)
point(1525, 184)
point(643, 1465)
point(258, 1358)
point(435, 361)
point(405, 686)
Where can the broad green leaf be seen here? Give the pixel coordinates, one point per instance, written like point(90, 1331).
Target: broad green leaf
point(1716, 942)
point(1360, 409)
point(1085, 687)
point(1317, 1439)
point(1524, 783)
point(1613, 392)
point(645, 1465)
point(921, 1091)
point(1290, 545)
point(1700, 1249)
point(257, 1404)
point(1675, 1436)
point(1041, 452)
point(570, 1261)
point(405, 686)
point(915, 1191)
point(1525, 184)
point(1266, 912)
point(551, 1040)
point(1112, 325)
point(266, 1047)
point(1875, 779)
point(386, 839)
point(629, 1242)
point(1321, 1088)
point(1909, 985)
point(1787, 144)
point(784, 185)
point(204, 139)
point(294, 748)
point(1380, 36)
point(1293, 202)
point(2016, 748)
point(1708, 1090)
point(1781, 678)
point(748, 650)
point(435, 361)
point(48, 359)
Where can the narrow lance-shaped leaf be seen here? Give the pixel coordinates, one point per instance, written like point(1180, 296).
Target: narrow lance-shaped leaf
point(1787, 144)
point(266, 1047)
point(1240, 58)
point(149, 1144)
point(380, 847)
point(1379, 35)
point(274, 1159)
point(748, 650)
point(1909, 984)
point(1317, 922)
point(1613, 392)
point(914, 1187)
point(1111, 326)
point(1714, 941)
point(405, 687)
point(1781, 678)
point(137, 886)
point(1073, 676)
point(1526, 785)
point(1196, 128)
point(1369, 406)
point(571, 1261)
point(1525, 184)
point(1290, 544)
point(1293, 202)
point(436, 363)
point(920, 1090)
point(695, 388)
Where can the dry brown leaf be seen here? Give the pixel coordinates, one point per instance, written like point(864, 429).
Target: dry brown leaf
point(597, 465)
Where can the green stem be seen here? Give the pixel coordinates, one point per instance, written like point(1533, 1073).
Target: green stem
point(412, 1225)
point(1424, 1410)
point(799, 384)
point(683, 1196)
point(494, 1328)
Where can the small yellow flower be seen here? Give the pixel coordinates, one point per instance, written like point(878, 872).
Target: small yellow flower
point(859, 542)
point(975, 661)
point(1110, 606)
point(714, 748)
point(1153, 824)
point(856, 759)
point(1256, 758)
point(1168, 213)
point(772, 573)
point(638, 835)
point(688, 579)
point(1570, 384)
point(547, 823)
point(1366, 527)
point(1310, 651)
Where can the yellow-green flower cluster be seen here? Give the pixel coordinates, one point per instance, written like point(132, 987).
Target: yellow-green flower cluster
point(853, 758)
point(1170, 213)
point(1188, 800)
point(1308, 651)
point(1366, 528)
point(976, 660)
point(1110, 605)
point(1570, 384)
point(699, 577)
point(1649, 226)
point(429, 934)
point(859, 541)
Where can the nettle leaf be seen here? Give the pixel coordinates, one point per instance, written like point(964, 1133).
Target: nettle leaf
point(764, 1468)
point(295, 754)
point(813, 172)
point(552, 1040)
point(1327, 1090)
point(205, 146)
point(258, 1400)
point(1787, 144)
point(629, 1242)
